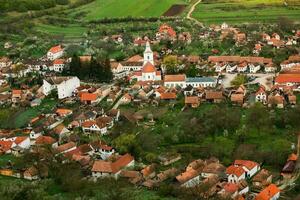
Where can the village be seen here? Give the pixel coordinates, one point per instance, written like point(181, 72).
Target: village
point(79, 121)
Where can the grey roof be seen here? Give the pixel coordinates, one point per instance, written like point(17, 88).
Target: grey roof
point(56, 80)
point(200, 79)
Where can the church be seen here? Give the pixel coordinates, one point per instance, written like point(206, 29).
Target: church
point(148, 72)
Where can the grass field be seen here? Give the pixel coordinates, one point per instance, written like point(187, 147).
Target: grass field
point(68, 31)
point(237, 11)
point(115, 8)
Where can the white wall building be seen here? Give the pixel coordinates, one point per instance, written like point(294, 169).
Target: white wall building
point(55, 52)
point(65, 85)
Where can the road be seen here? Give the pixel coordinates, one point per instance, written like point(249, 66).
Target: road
point(189, 15)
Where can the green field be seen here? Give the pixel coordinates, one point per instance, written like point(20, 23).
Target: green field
point(100, 9)
point(68, 31)
point(237, 11)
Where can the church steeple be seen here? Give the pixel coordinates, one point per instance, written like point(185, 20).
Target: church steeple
point(148, 54)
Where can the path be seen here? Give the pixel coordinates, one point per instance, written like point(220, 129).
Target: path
point(189, 15)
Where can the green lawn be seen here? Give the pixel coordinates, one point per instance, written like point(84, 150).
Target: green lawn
point(70, 31)
point(245, 11)
point(115, 8)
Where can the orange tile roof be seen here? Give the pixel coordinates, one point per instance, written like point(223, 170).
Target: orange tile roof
point(168, 95)
point(293, 157)
point(56, 49)
point(231, 187)
point(123, 161)
point(238, 171)
point(45, 140)
point(191, 100)
point(187, 175)
point(66, 146)
point(135, 58)
point(288, 78)
point(268, 192)
point(246, 163)
point(58, 61)
point(175, 78)
point(148, 68)
point(88, 96)
point(102, 166)
point(20, 139)
point(167, 29)
point(14, 92)
point(58, 129)
point(63, 111)
point(5, 145)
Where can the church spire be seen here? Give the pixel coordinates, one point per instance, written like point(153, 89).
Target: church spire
point(148, 54)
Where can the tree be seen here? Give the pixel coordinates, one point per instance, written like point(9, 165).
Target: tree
point(75, 66)
point(240, 79)
point(171, 65)
point(258, 117)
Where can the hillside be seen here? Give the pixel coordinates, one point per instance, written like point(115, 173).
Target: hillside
point(237, 11)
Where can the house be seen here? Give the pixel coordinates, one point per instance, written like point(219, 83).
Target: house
point(64, 148)
point(5, 99)
point(58, 65)
point(289, 166)
point(5, 62)
point(189, 178)
point(192, 101)
point(242, 67)
point(31, 173)
point(171, 81)
point(126, 99)
point(46, 140)
point(65, 85)
point(276, 100)
point(89, 98)
point(214, 96)
point(117, 38)
point(257, 49)
point(111, 169)
point(61, 131)
point(165, 32)
point(63, 112)
point(230, 68)
point(99, 125)
point(148, 172)
point(237, 99)
point(254, 68)
point(114, 113)
point(234, 190)
point(250, 167)
point(261, 95)
point(6, 146)
point(16, 96)
point(168, 96)
point(290, 62)
point(212, 168)
point(272, 192)
point(169, 158)
point(270, 68)
point(201, 81)
point(55, 52)
point(106, 151)
point(235, 174)
point(262, 179)
point(185, 37)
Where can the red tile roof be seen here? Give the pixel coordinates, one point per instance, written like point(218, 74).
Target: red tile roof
point(231, 187)
point(238, 171)
point(16, 92)
point(268, 192)
point(58, 61)
point(167, 29)
point(55, 49)
point(175, 78)
point(88, 96)
point(246, 163)
point(148, 68)
point(45, 140)
point(287, 78)
point(5, 145)
point(20, 139)
point(63, 111)
point(66, 146)
point(168, 95)
point(191, 100)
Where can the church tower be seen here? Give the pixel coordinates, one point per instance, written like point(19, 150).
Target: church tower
point(148, 54)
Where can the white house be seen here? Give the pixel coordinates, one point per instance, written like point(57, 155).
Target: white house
point(261, 95)
point(219, 67)
point(242, 67)
point(55, 52)
point(250, 167)
point(58, 65)
point(106, 151)
point(235, 174)
point(20, 141)
point(65, 85)
point(171, 81)
point(254, 68)
point(94, 126)
point(201, 82)
point(231, 68)
point(5, 62)
point(103, 168)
